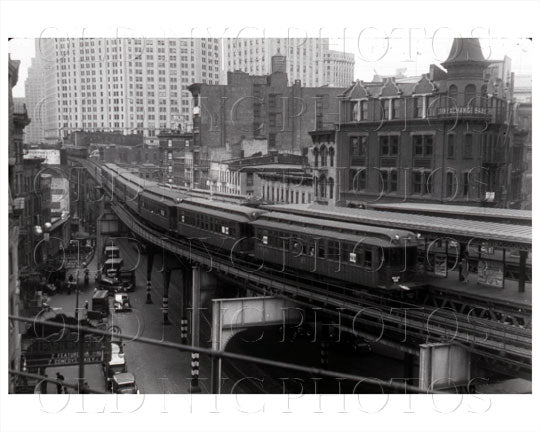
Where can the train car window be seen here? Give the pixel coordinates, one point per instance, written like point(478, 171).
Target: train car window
point(264, 240)
point(352, 257)
point(368, 258)
point(333, 250)
point(183, 218)
point(321, 249)
point(232, 231)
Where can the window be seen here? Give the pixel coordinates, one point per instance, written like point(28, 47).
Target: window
point(388, 145)
point(331, 155)
point(417, 183)
point(470, 95)
point(468, 147)
point(418, 110)
point(330, 189)
point(383, 146)
point(396, 106)
point(465, 183)
point(449, 184)
point(323, 156)
point(358, 146)
point(385, 106)
point(452, 95)
point(423, 145)
point(428, 145)
point(394, 140)
point(363, 110)
point(417, 144)
point(393, 181)
point(450, 147)
point(383, 181)
point(357, 179)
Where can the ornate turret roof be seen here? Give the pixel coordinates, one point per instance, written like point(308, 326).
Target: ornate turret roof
point(465, 50)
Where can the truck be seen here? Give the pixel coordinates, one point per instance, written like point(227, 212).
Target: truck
point(100, 302)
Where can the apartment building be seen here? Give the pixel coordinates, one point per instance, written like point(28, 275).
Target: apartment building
point(125, 85)
point(309, 60)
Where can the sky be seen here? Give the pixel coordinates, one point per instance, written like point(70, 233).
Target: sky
point(376, 51)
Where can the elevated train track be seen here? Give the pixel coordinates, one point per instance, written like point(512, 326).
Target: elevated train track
point(508, 343)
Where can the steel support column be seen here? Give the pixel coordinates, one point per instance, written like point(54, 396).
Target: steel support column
point(166, 283)
point(186, 293)
point(195, 308)
point(522, 269)
point(149, 266)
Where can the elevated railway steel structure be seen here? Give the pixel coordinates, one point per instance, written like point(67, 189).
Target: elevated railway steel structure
point(504, 342)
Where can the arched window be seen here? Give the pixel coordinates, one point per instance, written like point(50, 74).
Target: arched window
point(324, 154)
point(331, 154)
point(452, 96)
point(470, 95)
point(316, 154)
point(322, 186)
point(331, 188)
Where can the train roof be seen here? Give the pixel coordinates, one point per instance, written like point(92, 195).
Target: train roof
point(458, 210)
point(334, 229)
point(213, 212)
point(504, 233)
point(224, 206)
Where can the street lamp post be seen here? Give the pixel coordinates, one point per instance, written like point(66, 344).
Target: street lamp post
point(77, 279)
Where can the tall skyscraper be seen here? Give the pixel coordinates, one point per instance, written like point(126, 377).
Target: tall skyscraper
point(309, 60)
point(125, 85)
point(33, 93)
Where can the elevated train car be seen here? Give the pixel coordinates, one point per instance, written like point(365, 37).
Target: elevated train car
point(360, 254)
point(223, 225)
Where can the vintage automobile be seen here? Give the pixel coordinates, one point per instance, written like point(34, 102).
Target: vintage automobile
point(121, 303)
point(124, 383)
point(116, 365)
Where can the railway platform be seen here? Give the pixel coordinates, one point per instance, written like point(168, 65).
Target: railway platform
point(509, 294)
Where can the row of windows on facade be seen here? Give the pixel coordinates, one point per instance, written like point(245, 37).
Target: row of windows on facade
point(112, 68)
point(90, 42)
point(422, 146)
point(279, 194)
point(396, 107)
point(421, 182)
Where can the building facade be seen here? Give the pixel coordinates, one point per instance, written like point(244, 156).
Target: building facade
point(262, 107)
point(445, 138)
point(308, 60)
point(173, 146)
point(34, 94)
point(126, 85)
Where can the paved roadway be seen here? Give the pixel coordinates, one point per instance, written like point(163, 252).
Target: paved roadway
point(163, 370)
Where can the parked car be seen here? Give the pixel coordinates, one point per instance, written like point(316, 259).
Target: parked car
point(121, 303)
point(124, 383)
point(116, 365)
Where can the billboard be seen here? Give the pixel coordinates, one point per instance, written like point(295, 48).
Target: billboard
point(51, 156)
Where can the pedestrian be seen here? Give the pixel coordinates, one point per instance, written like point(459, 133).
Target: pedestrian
point(60, 385)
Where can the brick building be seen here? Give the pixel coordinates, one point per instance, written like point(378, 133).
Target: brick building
point(262, 107)
point(442, 138)
point(173, 146)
